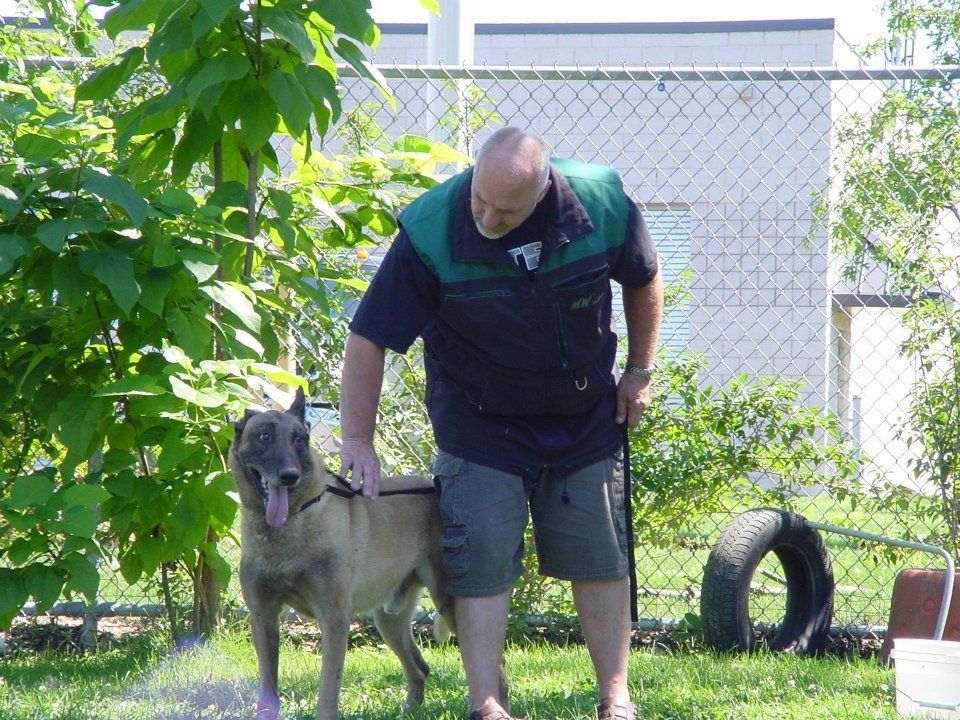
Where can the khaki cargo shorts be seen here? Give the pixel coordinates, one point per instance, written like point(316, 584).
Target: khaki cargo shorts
point(578, 524)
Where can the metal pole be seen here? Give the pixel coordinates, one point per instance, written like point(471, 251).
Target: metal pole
point(947, 585)
point(450, 44)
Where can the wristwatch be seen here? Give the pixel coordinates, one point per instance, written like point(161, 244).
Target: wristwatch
point(645, 373)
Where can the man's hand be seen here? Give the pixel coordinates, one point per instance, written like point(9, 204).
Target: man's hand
point(633, 397)
point(358, 458)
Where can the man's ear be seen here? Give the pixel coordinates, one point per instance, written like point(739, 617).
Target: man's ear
point(299, 407)
point(239, 425)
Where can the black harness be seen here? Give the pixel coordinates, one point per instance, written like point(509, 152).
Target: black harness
point(348, 492)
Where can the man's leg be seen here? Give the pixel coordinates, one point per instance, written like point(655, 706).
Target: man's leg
point(481, 631)
point(604, 610)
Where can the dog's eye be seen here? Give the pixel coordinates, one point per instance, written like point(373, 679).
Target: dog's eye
point(300, 440)
point(264, 437)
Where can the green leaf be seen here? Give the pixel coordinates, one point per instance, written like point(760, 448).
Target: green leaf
point(191, 331)
point(188, 521)
point(322, 88)
point(233, 299)
point(229, 195)
point(13, 593)
point(216, 561)
point(80, 521)
point(76, 418)
point(30, 491)
point(200, 262)
point(82, 576)
point(72, 285)
point(165, 255)
point(287, 26)
point(248, 340)
point(356, 59)
point(199, 136)
point(174, 35)
point(131, 15)
point(282, 202)
point(210, 15)
point(203, 397)
point(177, 199)
point(122, 484)
point(115, 460)
point(131, 567)
point(154, 289)
point(14, 88)
point(10, 203)
point(222, 68)
point(44, 583)
point(292, 101)
point(115, 189)
point(84, 495)
point(258, 120)
point(174, 450)
point(431, 5)
point(107, 80)
point(37, 148)
point(349, 18)
point(12, 248)
point(134, 385)
point(279, 375)
point(52, 234)
point(115, 270)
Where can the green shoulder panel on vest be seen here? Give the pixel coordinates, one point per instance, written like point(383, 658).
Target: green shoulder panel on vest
point(428, 221)
point(600, 191)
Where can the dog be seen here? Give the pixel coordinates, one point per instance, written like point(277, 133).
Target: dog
point(332, 557)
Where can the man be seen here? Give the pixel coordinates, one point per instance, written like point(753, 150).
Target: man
point(504, 270)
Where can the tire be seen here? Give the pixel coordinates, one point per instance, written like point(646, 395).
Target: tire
point(725, 600)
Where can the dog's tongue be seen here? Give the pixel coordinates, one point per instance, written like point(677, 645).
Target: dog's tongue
point(277, 506)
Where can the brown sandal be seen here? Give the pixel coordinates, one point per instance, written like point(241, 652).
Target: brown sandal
point(489, 711)
point(606, 710)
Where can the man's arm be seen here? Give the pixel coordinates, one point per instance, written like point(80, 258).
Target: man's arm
point(643, 308)
point(359, 399)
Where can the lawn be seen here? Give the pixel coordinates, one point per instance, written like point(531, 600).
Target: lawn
point(143, 680)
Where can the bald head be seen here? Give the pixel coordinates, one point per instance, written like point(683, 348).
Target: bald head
point(511, 175)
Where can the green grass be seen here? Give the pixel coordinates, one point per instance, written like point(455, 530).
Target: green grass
point(143, 681)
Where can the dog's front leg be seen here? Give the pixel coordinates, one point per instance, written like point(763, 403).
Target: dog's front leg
point(265, 626)
point(335, 631)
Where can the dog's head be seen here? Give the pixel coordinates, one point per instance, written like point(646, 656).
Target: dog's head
point(272, 453)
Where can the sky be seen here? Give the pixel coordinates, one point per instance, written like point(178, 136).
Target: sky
point(857, 20)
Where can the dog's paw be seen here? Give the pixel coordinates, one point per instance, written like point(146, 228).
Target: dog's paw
point(267, 711)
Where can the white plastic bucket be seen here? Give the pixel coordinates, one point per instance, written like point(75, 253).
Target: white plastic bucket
point(928, 678)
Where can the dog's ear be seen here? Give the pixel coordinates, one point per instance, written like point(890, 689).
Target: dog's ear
point(239, 425)
point(299, 407)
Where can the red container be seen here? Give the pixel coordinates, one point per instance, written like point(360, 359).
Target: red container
point(915, 606)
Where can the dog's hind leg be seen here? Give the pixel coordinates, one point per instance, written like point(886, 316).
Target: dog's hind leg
point(397, 632)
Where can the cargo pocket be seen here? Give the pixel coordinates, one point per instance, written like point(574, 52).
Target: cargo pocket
point(454, 546)
point(615, 486)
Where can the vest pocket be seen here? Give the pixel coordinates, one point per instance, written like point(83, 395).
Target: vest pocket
point(579, 308)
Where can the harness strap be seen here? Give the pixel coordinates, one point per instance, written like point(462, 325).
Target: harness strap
point(348, 492)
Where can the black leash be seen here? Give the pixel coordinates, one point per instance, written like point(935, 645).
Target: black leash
point(348, 492)
point(628, 511)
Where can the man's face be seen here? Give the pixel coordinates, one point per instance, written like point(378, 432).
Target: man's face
point(500, 202)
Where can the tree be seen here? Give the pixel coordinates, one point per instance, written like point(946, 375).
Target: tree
point(893, 202)
point(153, 258)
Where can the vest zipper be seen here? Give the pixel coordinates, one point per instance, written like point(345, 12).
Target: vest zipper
point(563, 340)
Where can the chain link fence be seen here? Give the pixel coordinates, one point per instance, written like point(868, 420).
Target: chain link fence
point(730, 168)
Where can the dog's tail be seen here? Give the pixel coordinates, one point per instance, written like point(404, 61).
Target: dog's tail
point(444, 622)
